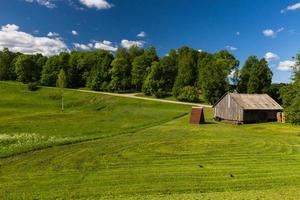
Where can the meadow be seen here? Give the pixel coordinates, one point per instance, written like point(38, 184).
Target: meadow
point(104, 147)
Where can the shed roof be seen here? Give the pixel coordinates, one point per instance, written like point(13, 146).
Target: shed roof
point(255, 101)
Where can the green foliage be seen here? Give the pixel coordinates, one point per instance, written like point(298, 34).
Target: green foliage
point(274, 91)
point(161, 78)
point(27, 68)
point(141, 66)
point(121, 72)
point(50, 71)
point(290, 95)
point(100, 75)
point(214, 70)
point(7, 60)
point(187, 69)
point(189, 93)
point(255, 77)
point(33, 86)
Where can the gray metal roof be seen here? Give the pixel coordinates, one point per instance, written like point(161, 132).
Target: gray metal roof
point(255, 101)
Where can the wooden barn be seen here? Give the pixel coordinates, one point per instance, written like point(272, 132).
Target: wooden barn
point(246, 108)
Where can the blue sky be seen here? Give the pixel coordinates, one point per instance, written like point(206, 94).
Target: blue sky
point(245, 27)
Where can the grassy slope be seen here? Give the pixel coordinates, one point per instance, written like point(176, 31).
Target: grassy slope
point(31, 120)
point(172, 160)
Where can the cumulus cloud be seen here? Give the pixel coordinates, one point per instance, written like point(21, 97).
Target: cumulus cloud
point(272, 33)
point(105, 45)
point(269, 56)
point(18, 41)
point(46, 3)
point(142, 34)
point(293, 7)
point(127, 43)
point(231, 48)
point(269, 33)
point(287, 65)
point(52, 34)
point(74, 32)
point(98, 4)
point(83, 46)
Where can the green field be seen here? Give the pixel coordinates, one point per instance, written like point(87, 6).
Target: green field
point(104, 147)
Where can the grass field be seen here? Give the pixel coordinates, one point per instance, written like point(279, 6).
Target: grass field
point(106, 147)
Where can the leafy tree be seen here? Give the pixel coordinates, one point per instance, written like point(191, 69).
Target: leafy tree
point(27, 69)
point(61, 83)
point(50, 71)
point(274, 91)
point(161, 78)
point(141, 66)
point(255, 76)
point(121, 71)
point(187, 69)
point(260, 78)
point(100, 75)
point(7, 59)
point(134, 51)
point(213, 74)
point(290, 95)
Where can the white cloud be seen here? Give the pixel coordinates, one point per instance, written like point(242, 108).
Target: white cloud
point(46, 3)
point(142, 34)
point(127, 43)
point(10, 27)
point(293, 7)
point(286, 65)
point(98, 4)
point(74, 32)
point(82, 46)
point(269, 33)
point(18, 41)
point(269, 56)
point(106, 45)
point(52, 34)
point(231, 48)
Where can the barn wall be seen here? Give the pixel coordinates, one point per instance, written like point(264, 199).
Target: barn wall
point(228, 109)
point(260, 115)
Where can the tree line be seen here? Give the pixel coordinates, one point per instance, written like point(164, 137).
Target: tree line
point(185, 73)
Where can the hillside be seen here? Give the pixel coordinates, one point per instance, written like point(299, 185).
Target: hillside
point(113, 147)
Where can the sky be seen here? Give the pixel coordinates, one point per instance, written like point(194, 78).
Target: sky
point(268, 29)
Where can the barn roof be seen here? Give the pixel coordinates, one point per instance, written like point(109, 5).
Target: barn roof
point(255, 101)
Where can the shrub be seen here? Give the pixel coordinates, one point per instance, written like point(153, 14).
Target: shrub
point(189, 93)
point(33, 86)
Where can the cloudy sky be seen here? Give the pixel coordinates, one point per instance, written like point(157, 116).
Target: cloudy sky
point(268, 28)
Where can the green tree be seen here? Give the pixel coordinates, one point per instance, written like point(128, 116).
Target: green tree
point(214, 70)
point(255, 76)
point(141, 66)
point(161, 78)
point(121, 71)
point(134, 51)
point(27, 69)
point(50, 71)
point(290, 95)
point(100, 75)
point(187, 69)
point(7, 59)
point(61, 83)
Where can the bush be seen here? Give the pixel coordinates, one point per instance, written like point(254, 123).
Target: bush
point(189, 93)
point(33, 86)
